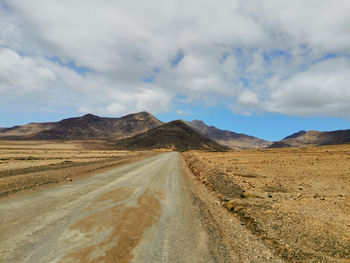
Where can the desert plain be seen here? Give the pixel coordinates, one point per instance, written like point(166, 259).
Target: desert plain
point(31, 165)
point(292, 204)
point(295, 199)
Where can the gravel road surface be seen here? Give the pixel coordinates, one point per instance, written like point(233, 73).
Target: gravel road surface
point(142, 212)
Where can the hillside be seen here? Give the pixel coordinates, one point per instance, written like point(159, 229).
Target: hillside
point(175, 135)
point(26, 130)
point(86, 127)
point(314, 138)
point(295, 135)
point(228, 138)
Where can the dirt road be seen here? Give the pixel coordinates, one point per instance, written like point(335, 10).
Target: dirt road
point(141, 212)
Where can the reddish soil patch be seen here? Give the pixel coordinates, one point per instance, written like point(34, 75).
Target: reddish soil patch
point(125, 229)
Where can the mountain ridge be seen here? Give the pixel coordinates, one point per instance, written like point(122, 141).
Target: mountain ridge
point(88, 126)
point(296, 134)
point(92, 127)
point(175, 135)
point(314, 138)
point(230, 139)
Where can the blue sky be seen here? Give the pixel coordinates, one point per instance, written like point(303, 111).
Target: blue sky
point(257, 67)
point(270, 126)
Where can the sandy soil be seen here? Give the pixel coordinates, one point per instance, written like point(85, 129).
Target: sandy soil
point(227, 231)
point(297, 201)
point(141, 212)
point(28, 165)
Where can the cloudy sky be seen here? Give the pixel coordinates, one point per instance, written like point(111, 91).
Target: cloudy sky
point(263, 67)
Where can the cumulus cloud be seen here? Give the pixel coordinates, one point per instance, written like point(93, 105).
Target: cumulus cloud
point(23, 75)
point(250, 56)
point(322, 90)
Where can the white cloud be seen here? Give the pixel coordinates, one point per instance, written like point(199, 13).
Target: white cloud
point(183, 112)
point(248, 98)
point(22, 75)
point(250, 56)
point(323, 90)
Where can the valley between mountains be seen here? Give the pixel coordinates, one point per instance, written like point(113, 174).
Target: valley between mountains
point(135, 189)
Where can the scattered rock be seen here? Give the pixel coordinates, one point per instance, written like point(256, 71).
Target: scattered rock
point(230, 205)
point(226, 199)
point(238, 209)
point(269, 195)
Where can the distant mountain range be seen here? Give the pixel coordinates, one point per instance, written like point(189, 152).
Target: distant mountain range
point(144, 131)
point(313, 138)
point(83, 128)
point(228, 138)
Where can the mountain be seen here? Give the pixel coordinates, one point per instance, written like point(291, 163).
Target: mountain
point(26, 130)
point(295, 135)
point(314, 138)
point(176, 135)
point(228, 138)
point(86, 127)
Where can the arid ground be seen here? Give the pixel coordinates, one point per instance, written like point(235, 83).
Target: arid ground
point(296, 200)
point(267, 205)
point(141, 211)
point(28, 165)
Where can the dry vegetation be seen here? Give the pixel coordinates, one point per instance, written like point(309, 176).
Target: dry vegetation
point(297, 199)
point(31, 164)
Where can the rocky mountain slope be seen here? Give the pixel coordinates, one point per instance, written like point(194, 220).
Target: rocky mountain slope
point(228, 138)
point(178, 135)
point(175, 135)
point(26, 130)
point(314, 138)
point(86, 127)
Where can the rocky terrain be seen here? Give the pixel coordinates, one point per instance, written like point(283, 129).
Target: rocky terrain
point(175, 135)
point(92, 127)
point(27, 165)
point(86, 127)
point(296, 200)
point(144, 211)
point(228, 138)
point(258, 205)
point(314, 138)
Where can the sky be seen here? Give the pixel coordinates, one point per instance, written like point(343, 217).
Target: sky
point(266, 68)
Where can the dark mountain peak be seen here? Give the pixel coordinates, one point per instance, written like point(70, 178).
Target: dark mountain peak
point(181, 124)
point(176, 135)
point(295, 135)
point(178, 121)
point(143, 115)
point(83, 120)
point(90, 117)
point(198, 122)
point(201, 126)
